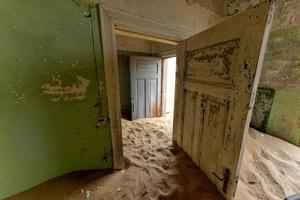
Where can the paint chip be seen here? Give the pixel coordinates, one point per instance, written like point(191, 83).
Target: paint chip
point(88, 194)
point(57, 91)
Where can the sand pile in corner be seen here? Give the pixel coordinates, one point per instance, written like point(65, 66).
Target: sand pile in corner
point(270, 168)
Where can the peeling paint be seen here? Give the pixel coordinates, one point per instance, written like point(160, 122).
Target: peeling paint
point(236, 6)
point(101, 86)
point(58, 92)
point(19, 95)
point(213, 5)
point(214, 61)
point(262, 109)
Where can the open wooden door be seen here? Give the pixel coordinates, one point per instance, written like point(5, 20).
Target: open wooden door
point(145, 86)
point(54, 113)
point(217, 76)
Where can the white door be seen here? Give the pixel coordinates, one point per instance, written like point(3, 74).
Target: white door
point(217, 76)
point(145, 86)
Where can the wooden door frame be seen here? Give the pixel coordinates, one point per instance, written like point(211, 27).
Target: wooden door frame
point(164, 81)
point(110, 19)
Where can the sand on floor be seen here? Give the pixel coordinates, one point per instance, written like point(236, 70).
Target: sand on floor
point(270, 168)
point(156, 169)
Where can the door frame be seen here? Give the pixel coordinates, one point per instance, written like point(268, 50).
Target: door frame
point(164, 81)
point(110, 20)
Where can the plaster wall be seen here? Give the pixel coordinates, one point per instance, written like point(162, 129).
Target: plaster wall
point(190, 16)
point(281, 70)
point(284, 121)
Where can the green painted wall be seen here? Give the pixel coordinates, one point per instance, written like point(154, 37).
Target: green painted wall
point(262, 108)
point(281, 72)
point(49, 101)
point(284, 121)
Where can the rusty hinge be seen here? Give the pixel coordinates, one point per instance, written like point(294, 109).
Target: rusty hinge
point(225, 179)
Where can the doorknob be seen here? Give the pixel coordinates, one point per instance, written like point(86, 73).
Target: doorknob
point(225, 179)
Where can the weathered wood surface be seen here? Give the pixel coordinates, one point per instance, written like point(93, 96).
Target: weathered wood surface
point(112, 86)
point(217, 75)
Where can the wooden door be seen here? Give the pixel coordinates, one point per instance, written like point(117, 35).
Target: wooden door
point(54, 113)
point(217, 77)
point(145, 86)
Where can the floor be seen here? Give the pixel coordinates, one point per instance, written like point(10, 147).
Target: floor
point(155, 170)
point(270, 169)
point(158, 170)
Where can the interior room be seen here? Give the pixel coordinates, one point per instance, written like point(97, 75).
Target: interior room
point(161, 99)
point(147, 72)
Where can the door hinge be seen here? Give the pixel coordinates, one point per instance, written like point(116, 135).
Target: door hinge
point(133, 108)
point(103, 121)
point(225, 179)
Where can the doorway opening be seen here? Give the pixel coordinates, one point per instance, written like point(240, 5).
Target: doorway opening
point(147, 73)
point(170, 76)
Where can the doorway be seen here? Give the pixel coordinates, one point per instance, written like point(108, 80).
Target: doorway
point(170, 76)
point(210, 88)
point(147, 71)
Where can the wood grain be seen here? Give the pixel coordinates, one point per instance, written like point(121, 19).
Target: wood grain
point(217, 76)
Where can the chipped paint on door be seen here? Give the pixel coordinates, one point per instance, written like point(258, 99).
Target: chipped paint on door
point(217, 77)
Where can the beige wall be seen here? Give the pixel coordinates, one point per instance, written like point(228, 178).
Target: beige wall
point(189, 15)
point(130, 44)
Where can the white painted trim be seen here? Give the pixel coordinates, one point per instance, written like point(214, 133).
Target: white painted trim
point(144, 37)
point(111, 18)
point(139, 24)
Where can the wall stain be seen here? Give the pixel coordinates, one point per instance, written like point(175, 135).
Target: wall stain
point(57, 92)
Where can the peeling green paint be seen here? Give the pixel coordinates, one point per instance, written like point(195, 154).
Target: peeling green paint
point(262, 108)
point(284, 121)
point(39, 138)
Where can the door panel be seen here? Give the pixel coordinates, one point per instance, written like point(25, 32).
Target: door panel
point(50, 99)
point(153, 90)
point(217, 76)
point(141, 93)
point(145, 86)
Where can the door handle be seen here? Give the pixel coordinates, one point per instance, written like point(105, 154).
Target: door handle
point(225, 179)
point(102, 121)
